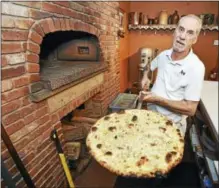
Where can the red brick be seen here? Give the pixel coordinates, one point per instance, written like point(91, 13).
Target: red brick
point(3, 147)
point(72, 24)
point(32, 58)
point(34, 77)
point(63, 26)
point(63, 3)
point(36, 14)
point(42, 111)
point(12, 72)
point(15, 94)
point(7, 21)
point(39, 30)
point(26, 110)
point(40, 172)
point(12, 47)
point(77, 25)
point(30, 4)
point(22, 143)
point(29, 118)
point(46, 139)
point(45, 130)
point(25, 100)
point(21, 23)
point(4, 154)
point(10, 107)
point(69, 12)
point(22, 132)
point(25, 46)
point(32, 67)
point(41, 104)
point(21, 81)
point(21, 184)
point(45, 27)
point(4, 61)
point(6, 85)
point(42, 120)
point(9, 163)
point(51, 25)
point(57, 125)
point(12, 117)
point(12, 35)
point(13, 170)
point(67, 23)
point(41, 177)
point(32, 47)
point(47, 146)
point(57, 24)
point(48, 179)
point(15, 127)
point(60, 177)
point(49, 7)
point(54, 118)
point(35, 37)
point(29, 157)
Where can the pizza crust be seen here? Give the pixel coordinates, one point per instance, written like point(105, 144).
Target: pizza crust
point(136, 143)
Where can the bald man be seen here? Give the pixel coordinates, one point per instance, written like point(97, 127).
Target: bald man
point(177, 88)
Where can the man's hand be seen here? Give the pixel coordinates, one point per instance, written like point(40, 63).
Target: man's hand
point(145, 84)
point(182, 107)
point(150, 97)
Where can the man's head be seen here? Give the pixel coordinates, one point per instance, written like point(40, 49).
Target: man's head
point(186, 33)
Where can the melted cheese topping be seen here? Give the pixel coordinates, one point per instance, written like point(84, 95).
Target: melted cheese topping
point(135, 142)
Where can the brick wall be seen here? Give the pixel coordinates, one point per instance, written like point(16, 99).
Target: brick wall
point(24, 24)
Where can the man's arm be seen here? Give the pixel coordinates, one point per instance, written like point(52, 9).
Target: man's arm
point(183, 107)
point(146, 81)
point(147, 77)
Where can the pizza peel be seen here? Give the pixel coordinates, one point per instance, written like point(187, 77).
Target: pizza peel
point(140, 99)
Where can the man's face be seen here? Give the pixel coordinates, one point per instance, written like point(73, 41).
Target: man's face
point(185, 35)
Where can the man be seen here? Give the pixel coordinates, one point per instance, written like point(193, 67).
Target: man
point(177, 89)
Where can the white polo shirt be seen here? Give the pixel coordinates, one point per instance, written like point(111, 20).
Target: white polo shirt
point(177, 80)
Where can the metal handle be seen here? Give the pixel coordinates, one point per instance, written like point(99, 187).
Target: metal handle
point(139, 104)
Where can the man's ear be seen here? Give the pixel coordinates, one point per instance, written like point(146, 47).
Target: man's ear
point(195, 40)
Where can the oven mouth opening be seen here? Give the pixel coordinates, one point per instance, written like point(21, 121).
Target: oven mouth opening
point(67, 58)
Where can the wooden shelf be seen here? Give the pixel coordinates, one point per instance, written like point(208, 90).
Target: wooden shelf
point(167, 27)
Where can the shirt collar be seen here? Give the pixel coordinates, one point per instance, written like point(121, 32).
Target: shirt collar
point(178, 62)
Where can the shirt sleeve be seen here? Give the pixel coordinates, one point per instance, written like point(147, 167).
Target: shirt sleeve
point(154, 63)
point(194, 88)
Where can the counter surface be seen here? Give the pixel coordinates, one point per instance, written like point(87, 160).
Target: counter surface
point(209, 99)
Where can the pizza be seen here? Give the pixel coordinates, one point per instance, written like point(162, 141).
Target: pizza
point(136, 143)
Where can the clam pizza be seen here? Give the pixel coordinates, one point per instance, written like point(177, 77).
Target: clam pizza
point(136, 143)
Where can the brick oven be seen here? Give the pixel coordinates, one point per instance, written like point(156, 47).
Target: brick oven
point(58, 58)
